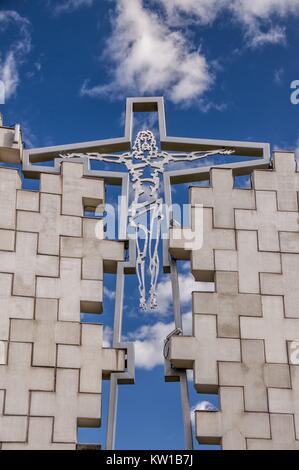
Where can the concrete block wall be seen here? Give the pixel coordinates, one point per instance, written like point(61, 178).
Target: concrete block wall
point(245, 343)
point(51, 271)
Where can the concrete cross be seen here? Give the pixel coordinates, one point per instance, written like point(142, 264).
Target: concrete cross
point(285, 284)
point(68, 407)
point(202, 259)
point(26, 264)
point(75, 294)
point(227, 304)
point(282, 433)
point(10, 182)
point(97, 254)
point(12, 428)
point(254, 375)
point(248, 261)
point(19, 378)
point(287, 401)
point(49, 223)
point(267, 220)
point(223, 198)
point(284, 179)
point(203, 352)
point(40, 432)
point(45, 332)
point(231, 426)
point(91, 358)
point(273, 328)
point(12, 306)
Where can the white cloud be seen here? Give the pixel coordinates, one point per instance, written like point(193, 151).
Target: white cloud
point(149, 57)
point(150, 53)
point(256, 17)
point(107, 337)
point(67, 6)
point(14, 57)
point(149, 342)
point(149, 339)
point(110, 294)
point(201, 406)
point(187, 286)
point(278, 76)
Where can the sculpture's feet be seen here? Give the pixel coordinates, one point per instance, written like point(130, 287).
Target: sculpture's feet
point(153, 301)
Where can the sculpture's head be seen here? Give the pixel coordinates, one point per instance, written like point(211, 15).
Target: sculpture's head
point(145, 143)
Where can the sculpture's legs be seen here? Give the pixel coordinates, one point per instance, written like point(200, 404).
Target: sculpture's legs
point(141, 249)
point(155, 236)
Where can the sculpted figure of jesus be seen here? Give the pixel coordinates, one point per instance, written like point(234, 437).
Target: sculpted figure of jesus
point(146, 164)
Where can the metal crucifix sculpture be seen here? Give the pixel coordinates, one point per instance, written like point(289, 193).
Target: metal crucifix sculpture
point(145, 164)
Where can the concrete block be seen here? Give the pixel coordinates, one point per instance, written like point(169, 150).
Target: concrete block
point(49, 223)
point(285, 284)
point(75, 295)
point(227, 304)
point(79, 192)
point(12, 428)
point(267, 220)
point(10, 182)
point(223, 198)
point(19, 377)
point(203, 352)
point(12, 306)
point(273, 328)
point(231, 426)
point(284, 179)
point(289, 242)
point(248, 261)
point(7, 240)
point(282, 435)
point(287, 401)
point(51, 184)
point(45, 332)
point(39, 437)
point(202, 260)
point(254, 375)
point(68, 407)
point(25, 264)
point(28, 201)
point(97, 254)
point(92, 360)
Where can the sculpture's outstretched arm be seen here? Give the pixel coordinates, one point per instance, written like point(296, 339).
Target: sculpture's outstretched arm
point(182, 157)
point(102, 157)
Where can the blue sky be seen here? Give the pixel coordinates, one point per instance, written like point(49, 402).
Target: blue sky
point(224, 68)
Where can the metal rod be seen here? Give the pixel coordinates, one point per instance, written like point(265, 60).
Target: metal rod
point(183, 374)
point(113, 393)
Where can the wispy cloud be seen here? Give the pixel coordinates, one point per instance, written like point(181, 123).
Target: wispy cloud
point(109, 294)
point(68, 6)
point(149, 342)
point(149, 52)
point(201, 406)
point(11, 61)
point(148, 56)
point(258, 18)
point(187, 286)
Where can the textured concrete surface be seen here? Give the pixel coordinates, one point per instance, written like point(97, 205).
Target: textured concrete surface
point(245, 342)
point(52, 263)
